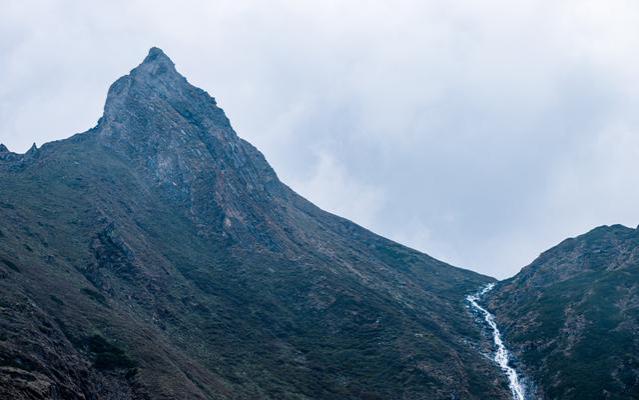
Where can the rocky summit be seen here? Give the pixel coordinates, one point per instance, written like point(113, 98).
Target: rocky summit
point(158, 256)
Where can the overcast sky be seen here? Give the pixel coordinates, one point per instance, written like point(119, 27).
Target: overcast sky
point(480, 132)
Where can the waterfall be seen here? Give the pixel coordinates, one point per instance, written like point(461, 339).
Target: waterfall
point(501, 357)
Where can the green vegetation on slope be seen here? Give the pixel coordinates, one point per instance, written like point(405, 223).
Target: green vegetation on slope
point(573, 316)
point(157, 256)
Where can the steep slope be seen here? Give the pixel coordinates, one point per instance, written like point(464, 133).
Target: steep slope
point(572, 316)
point(158, 256)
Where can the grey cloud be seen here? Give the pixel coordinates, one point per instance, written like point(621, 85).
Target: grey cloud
point(479, 132)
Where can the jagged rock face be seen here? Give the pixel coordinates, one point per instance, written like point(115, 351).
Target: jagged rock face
point(572, 316)
point(4, 152)
point(158, 256)
point(186, 144)
point(6, 155)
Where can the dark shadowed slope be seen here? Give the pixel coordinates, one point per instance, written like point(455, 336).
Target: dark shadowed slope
point(158, 256)
point(572, 316)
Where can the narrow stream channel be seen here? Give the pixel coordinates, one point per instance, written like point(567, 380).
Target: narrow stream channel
point(501, 357)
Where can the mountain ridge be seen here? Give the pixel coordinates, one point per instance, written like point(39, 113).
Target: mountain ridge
point(158, 256)
point(571, 316)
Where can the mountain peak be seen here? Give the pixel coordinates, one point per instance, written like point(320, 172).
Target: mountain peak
point(171, 232)
point(156, 54)
point(157, 93)
point(182, 138)
point(152, 81)
point(156, 64)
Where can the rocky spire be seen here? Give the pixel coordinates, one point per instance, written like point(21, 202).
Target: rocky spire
point(158, 58)
point(156, 68)
point(33, 152)
point(155, 77)
point(155, 85)
point(179, 135)
point(6, 154)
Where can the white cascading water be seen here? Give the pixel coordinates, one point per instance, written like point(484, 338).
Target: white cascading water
point(501, 355)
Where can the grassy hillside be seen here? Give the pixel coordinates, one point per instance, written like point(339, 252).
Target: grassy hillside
point(572, 316)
